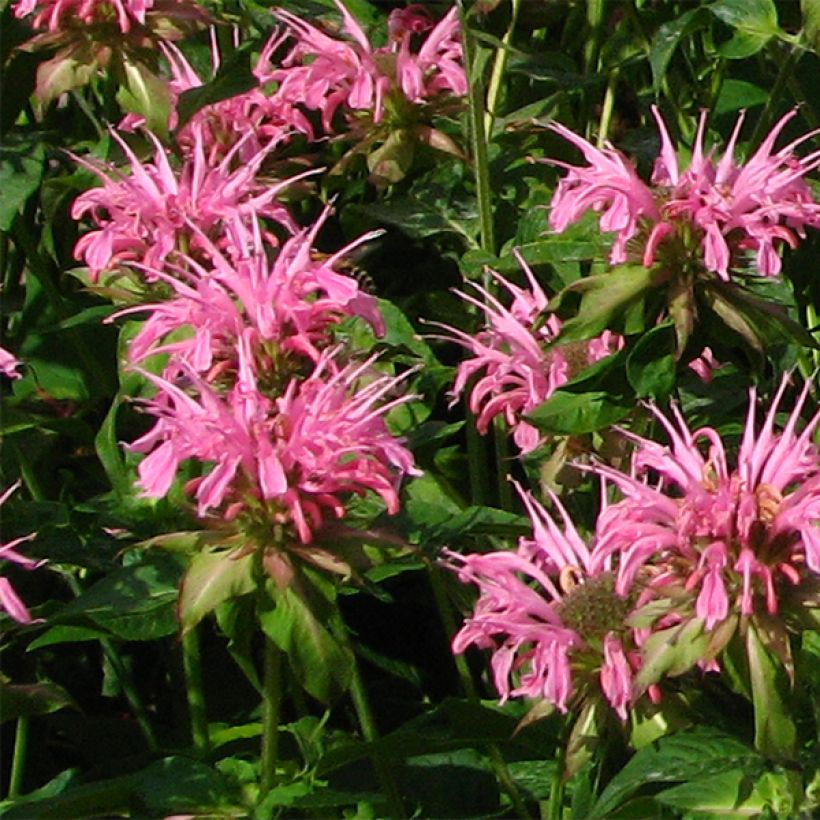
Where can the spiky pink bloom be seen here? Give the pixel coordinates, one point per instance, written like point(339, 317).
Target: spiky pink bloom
point(548, 614)
point(56, 15)
point(145, 215)
point(9, 599)
point(517, 369)
point(275, 305)
point(323, 72)
point(323, 439)
point(718, 206)
point(734, 536)
point(9, 364)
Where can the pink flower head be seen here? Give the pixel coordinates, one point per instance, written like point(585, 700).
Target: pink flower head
point(282, 304)
point(147, 214)
point(9, 600)
point(304, 452)
point(548, 615)
point(725, 207)
point(516, 368)
point(734, 536)
point(324, 73)
point(9, 364)
point(56, 15)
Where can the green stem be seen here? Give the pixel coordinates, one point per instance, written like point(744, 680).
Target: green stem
point(608, 107)
point(192, 664)
point(499, 67)
point(271, 715)
point(367, 723)
point(786, 70)
point(18, 761)
point(448, 619)
point(478, 136)
point(476, 458)
point(501, 441)
point(556, 800)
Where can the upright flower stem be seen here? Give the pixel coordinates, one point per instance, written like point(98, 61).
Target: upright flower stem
point(367, 723)
point(271, 714)
point(192, 664)
point(468, 685)
point(499, 67)
point(556, 799)
point(18, 760)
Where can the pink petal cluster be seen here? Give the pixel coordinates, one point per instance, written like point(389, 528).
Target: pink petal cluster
point(271, 308)
point(720, 207)
point(56, 15)
point(732, 536)
point(516, 369)
point(9, 364)
point(304, 452)
point(147, 214)
point(325, 73)
point(531, 615)
point(9, 599)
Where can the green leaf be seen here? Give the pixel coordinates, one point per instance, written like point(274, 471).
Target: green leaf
point(597, 398)
point(211, 579)
point(66, 634)
point(25, 700)
point(686, 756)
point(652, 362)
point(605, 300)
point(109, 452)
point(737, 793)
point(391, 161)
point(146, 94)
point(775, 733)
point(754, 22)
point(319, 662)
point(21, 170)
point(136, 602)
point(736, 95)
point(668, 37)
point(234, 77)
point(584, 737)
point(811, 23)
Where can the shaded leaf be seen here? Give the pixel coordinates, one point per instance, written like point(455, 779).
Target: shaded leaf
point(669, 36)
point(21, 170)
point(26, 700)
point(652, 362)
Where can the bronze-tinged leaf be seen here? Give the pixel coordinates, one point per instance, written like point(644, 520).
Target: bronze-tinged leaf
point(542, 709)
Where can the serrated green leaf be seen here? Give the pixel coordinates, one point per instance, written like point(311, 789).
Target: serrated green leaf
point(754, 22)
point(672, 652)
point(211, 579)
point(66, 634)
point(686, 756)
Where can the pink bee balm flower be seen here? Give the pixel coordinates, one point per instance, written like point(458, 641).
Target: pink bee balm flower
point(9, 599)
point(517, 371)
point(56, 15)
point(322, 440)
point(324, 73)
point(717, 208)
point(288, 302)
point(733, 536)
point(548, 615)
point(145, 215)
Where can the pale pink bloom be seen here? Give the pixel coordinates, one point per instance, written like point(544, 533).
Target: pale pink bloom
point(516, 368)
point(155, 210)
point(9, 599)
point(547, 615)
point(288, 302)
point(608, 185)
point(56, 15)
point(9, 364)
point(324, 73)
point(721, 208)
point(305, 452)
point(734, 535)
